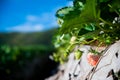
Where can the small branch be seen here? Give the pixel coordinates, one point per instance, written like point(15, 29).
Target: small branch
point(104, 66)
point(90, 77)
point(114, 9)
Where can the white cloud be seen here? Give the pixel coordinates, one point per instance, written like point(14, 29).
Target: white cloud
point(27, 28)
point(40, 22)
point(35, 23)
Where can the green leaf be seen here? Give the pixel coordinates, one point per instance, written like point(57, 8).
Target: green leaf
point(94, 51)
point(87, 16)
point(103, 0)
point(90, 27)
point(90, 35)
point(115, 4)
point(63, 11)
point(90, 10)
point(78, 4)
point(70, 48)
point(78, 54)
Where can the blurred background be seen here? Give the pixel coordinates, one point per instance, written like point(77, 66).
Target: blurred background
point(26, 31)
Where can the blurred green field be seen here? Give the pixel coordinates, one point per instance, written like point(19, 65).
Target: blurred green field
point(18, 50)
point(12, 53)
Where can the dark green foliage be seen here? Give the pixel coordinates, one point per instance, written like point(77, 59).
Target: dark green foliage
point(12, 53)
point(14, 60)
point(23, 39)
point(91, 22)
point(18, 49)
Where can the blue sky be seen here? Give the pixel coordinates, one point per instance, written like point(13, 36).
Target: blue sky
point(29, 15)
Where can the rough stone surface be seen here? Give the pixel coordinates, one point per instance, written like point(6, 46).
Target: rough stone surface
point(107, 68)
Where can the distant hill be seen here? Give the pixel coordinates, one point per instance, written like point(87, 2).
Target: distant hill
point(21, 39)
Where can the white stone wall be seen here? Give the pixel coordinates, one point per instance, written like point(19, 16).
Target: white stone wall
point(107, 68)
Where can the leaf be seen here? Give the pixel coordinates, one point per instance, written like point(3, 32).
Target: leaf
point(78, 4)
point(78, 54)
point(91, 35)
point(103, 0)
point(115, 4)
point(90, 27)
point(70, 48)
point(90, 10)
point(87, 16)
point(63, 11)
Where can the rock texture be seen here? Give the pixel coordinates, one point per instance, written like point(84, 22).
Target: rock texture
point(108, 67)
